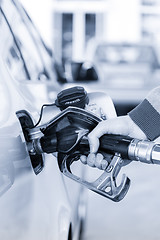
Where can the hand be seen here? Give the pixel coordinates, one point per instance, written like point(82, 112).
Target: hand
point(96, 160)
point(122, 125)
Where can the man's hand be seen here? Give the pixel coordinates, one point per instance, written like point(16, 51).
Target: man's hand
point(121, 126)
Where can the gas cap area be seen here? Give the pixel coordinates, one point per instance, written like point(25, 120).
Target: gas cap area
point(26, 122)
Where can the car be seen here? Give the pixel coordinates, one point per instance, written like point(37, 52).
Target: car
point(32, 206)
point(126, 71)
point(45, 205)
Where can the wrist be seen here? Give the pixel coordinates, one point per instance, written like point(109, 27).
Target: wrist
point(134, 130)
point(147, 118)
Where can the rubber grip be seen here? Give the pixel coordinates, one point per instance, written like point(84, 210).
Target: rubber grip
point(108, 143)
point(115, 144)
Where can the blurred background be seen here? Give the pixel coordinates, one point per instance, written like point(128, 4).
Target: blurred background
point(115, 46)
point(119, 38)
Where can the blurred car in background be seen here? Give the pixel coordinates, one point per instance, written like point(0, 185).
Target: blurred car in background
point(126, 71)
point(46, 206)
point(125, 65)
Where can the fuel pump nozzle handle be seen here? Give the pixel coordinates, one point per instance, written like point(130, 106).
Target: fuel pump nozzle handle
point(130, 148)
point(67, 134)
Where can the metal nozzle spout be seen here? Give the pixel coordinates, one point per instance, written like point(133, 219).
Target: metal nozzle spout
point(144, 151)
point(156, 154)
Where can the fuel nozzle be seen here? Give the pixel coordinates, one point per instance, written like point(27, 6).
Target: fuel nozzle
point(131, 148)
point(144, 151)
point(66, 134)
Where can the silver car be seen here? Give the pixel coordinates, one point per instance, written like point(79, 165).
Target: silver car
point(47, 205)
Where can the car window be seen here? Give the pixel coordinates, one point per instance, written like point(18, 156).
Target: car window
point(116, 54)
point(10, 53)
point(24, 40)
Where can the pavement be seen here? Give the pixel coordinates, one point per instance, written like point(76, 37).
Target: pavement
point(136, 217)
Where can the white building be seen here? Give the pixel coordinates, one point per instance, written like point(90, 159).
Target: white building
point(76, 22)
point(68, 25)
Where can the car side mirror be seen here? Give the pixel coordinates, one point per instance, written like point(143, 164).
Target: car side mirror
point(83, 71)
point(78, 71)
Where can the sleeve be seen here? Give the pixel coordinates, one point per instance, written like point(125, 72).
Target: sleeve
point(147, 114)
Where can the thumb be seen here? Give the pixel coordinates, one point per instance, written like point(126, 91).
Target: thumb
point(95, 134)
point(93, 143)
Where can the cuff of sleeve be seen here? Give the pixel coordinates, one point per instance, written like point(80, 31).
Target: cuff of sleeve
point(147, 119)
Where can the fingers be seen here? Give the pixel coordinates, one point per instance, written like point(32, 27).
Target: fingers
point(118, 125)
point(94, 136)
point(98, 160)
point(83, 159)
point(93, 143)
point(91, 159)
point(95, 160)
